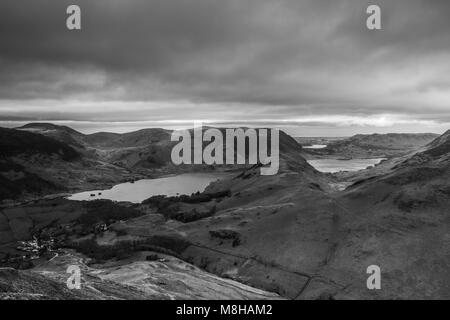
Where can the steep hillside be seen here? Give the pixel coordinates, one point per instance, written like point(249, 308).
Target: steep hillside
point(35, 164)
point(16, 181)
point(15, 142)
point(101, 138)
point(438, 150)
point(19, 152)
point(400, 221)
point(141, 138)
point(142, 149)
point(429, 167)
point(63, 134)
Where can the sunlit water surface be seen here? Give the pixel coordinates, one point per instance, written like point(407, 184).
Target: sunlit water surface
point(335, 165)
point(140, 190)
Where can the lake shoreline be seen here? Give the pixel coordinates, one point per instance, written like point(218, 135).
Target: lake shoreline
point(341, 165)
point(139, 190)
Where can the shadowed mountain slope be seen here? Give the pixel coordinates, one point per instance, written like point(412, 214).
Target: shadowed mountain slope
point(63, 134)
point(400, 221)
point(146, 148)
point(18, 150)
point(35, 164)
point(15, 142)
point(423, 176)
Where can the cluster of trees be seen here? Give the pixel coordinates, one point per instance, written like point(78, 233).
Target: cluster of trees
point(121, 250)
point(226, 234)
point(24, 181)
point(99, 211)
point(163, 201)
point(16, 261)
point(170, 208)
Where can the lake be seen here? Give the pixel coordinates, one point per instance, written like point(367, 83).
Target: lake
point(335, 165)
point(140, 190)
point(316, 146)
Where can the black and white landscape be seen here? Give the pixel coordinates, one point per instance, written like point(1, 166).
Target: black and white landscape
point(87, 178)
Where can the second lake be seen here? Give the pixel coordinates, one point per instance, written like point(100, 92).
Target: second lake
point(336, 165)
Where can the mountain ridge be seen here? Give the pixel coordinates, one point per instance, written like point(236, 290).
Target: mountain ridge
point(375, 145)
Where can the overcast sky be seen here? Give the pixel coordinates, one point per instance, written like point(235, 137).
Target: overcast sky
point(308, 66)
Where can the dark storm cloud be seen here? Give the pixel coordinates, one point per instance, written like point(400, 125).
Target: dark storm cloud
point(225, 59)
